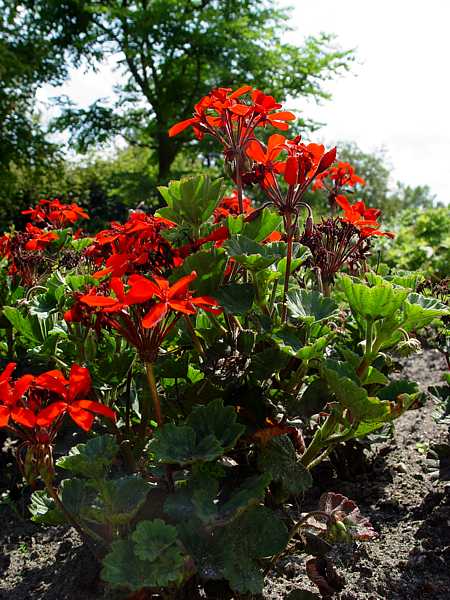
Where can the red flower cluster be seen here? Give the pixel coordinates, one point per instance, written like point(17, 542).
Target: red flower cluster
point(144, 313)
point(135, 246)
point(231, 118)
point(24, 252)
point(225, 115)
point(364, 219)
point(24, 249)
point(337, 180)
point(303, 164)
point(52, 213)
point(31, 403)
point(229, 205)
point(338, 177)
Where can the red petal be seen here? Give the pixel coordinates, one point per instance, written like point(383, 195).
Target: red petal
point(22, 385)
point(99, 301)
point(281, 125)
point(181, 126)
point(79, 381)
point(8, 371)
point(141, 290)
point(117, 287)
point(327, 160)
point(154, 315)
point(254, 150)
point(282, 116)
point(342, 201)
point(182, 285)
point(47, 415)
point(240, 109)
point(96, 407)
point(182, 306)
point(291, 171)
point(82, 418)
point(275, 142)
point(23, 416)
point(240, 91)
point(4, 416)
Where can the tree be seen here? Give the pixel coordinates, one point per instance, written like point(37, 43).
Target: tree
point(172, 52)
point(27, 60)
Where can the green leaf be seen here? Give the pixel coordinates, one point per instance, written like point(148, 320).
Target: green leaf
point(42, 509)
point(209, 266)
point(421, 311)
point(251, 492)
point(153, 539)
point(256, 534)
point(265, 223)
point(92, 459)
point(373, 375)
point(26, 326)
point(353, 397)
point(218, 421)
point(191, 200)
point(310, 306)
point(178, 444)
point(252, 255)
point(121, 499)
point(76, 496)
point(378, 302)
point(236, 298)
point(402, 392)
point(314, 399)
point(264, 364)
point(288, 342)
point(279, 459)
point(122, 568)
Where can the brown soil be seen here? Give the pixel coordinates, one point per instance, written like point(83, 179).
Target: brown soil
point(410, 511)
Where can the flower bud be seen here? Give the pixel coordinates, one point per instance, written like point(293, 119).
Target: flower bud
point(408, 347)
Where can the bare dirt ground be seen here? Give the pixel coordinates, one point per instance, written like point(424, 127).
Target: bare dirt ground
point(409, 510)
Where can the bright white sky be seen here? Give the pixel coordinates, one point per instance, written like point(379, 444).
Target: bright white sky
point(397, 95)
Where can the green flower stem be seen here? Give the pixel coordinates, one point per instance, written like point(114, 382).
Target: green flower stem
point(296, 380)
point(85, 533)
point(195, 340)
point(145, 416)
point(239, 187)
point(273, 295)
point(290, 241)
point(368, 354)
point(319, 440)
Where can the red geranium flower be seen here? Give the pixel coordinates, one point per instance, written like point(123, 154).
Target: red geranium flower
point(11, 399)
point(54, 213)
point(73, 392)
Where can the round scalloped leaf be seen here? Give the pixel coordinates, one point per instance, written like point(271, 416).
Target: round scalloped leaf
point(43, 510)
point(178, 444)
point(153, 539)
point(421, 311)
point(236, 298)
point(310, 306)
point(123, 569)
point(92, 459)
point(218, 421)
point(278, 458)
point(352, 396)
point(376, 302)
point(121, 499)
point(250, 254)
point(256, 534)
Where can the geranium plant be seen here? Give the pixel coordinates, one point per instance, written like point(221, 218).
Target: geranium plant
point(232, 347)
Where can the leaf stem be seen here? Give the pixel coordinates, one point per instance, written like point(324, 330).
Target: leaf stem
point(155, 397)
